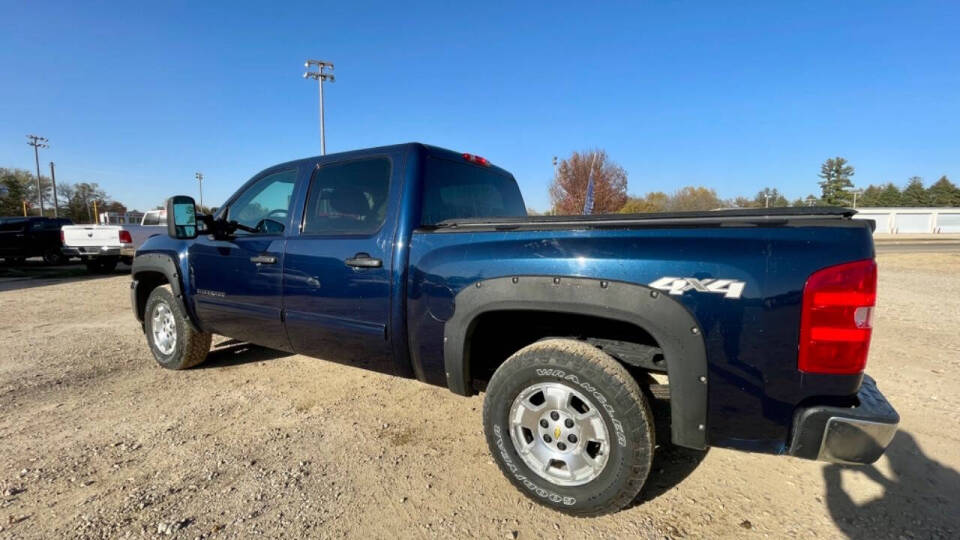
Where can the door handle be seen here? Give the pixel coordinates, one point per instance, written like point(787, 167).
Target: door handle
point(264, 259)
point(364, 260)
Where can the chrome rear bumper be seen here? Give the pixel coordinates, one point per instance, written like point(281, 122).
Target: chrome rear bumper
point(857, 434)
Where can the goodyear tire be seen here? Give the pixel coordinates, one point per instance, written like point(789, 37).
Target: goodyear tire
point(173, 340)
point(569, 427)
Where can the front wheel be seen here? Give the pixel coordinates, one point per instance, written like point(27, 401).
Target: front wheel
point(173, 340)
point(569, 427)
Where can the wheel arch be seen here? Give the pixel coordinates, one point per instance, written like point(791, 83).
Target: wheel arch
point(666, 320)
point(152, 270)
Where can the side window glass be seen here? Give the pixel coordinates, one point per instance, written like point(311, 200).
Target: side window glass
point(348, 198)
point(266, 204)
point(151, 218)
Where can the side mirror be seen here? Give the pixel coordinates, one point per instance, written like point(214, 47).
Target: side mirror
point(181, 217)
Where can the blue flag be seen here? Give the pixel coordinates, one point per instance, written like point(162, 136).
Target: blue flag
point(588, 202)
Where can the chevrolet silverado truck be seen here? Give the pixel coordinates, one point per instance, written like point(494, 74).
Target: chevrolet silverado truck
point(101, 247)
point(422, 262)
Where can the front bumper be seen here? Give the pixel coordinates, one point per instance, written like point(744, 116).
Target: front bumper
point(856, 434)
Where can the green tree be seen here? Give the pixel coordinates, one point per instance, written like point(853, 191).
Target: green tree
point(914, 194)
point(79, 198)
point(836, 174)
point(694, 198)
point(744, 202)
point(870, 196)
point(943, 193)
point(770, 198)
point(568, 191)
point(655, 201)
point(12, 194)
point(889, 195)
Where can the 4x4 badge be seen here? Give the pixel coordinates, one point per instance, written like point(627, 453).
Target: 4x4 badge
point(729, 288)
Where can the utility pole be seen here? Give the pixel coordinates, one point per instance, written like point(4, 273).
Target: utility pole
point(766, 200)
point(53, 179)
point(199, 177)
point(322, 73)
point(855, 192)
point(37, 143)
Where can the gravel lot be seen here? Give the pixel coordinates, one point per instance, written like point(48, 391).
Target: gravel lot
point(98, 442)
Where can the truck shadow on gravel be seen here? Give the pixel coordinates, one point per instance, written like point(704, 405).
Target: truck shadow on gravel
point(235, 353)
point(36, 273)
point(919, 501)
point(671, 464)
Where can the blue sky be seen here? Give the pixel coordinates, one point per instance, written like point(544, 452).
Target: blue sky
point(139, 97)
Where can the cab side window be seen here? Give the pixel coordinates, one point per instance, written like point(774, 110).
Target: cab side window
point(266, 204)
point(348, 198)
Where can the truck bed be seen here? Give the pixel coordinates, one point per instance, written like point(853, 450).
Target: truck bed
point(732, 217)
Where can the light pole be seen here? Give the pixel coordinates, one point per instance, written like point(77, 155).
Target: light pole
point(37, 143)
point(322, 73)
point(199, 177)
point(53, 180)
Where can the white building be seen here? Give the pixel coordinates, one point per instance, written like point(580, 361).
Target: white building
point(116, 218)
point(912, 220)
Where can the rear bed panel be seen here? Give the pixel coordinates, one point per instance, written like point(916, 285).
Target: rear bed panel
point(751, 341)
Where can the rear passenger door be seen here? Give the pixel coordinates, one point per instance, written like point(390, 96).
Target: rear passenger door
point(336, 273)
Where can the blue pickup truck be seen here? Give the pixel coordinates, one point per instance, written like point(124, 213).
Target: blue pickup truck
point(422, 262)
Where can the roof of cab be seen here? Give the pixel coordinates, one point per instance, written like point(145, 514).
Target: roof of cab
point(434, 150)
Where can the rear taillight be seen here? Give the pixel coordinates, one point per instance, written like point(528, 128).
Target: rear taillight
point(125, 237)
point(837, 318)
point(476, 159)
point(63, 238)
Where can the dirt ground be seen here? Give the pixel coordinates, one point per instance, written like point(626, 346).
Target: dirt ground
point(99, 442)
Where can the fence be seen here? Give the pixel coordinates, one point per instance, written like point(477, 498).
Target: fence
point(912, 220)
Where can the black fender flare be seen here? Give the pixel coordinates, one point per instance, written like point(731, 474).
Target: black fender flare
point(164, 264)
point(669, 322)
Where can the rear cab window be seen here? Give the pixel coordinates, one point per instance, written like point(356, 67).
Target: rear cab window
point(456, 189)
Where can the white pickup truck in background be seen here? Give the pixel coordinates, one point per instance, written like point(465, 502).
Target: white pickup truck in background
point(101, 247)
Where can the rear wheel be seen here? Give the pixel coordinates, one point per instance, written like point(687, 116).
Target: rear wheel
point(54, 256)
point(570, 427)
point(173, 340)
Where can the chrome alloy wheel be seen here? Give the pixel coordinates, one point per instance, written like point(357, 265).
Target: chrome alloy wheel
point(559, 433)
point(164, 328)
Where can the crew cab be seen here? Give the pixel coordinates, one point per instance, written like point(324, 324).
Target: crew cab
point(422, 262)
point(31, 236)
point(101, 247)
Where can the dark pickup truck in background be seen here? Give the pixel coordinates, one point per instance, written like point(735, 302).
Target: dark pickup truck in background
point(32, 236)
point(422, 262)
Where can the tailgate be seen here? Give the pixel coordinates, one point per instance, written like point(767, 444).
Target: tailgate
point(91, 235)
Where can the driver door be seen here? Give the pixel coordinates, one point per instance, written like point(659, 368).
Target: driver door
point(238, 281)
